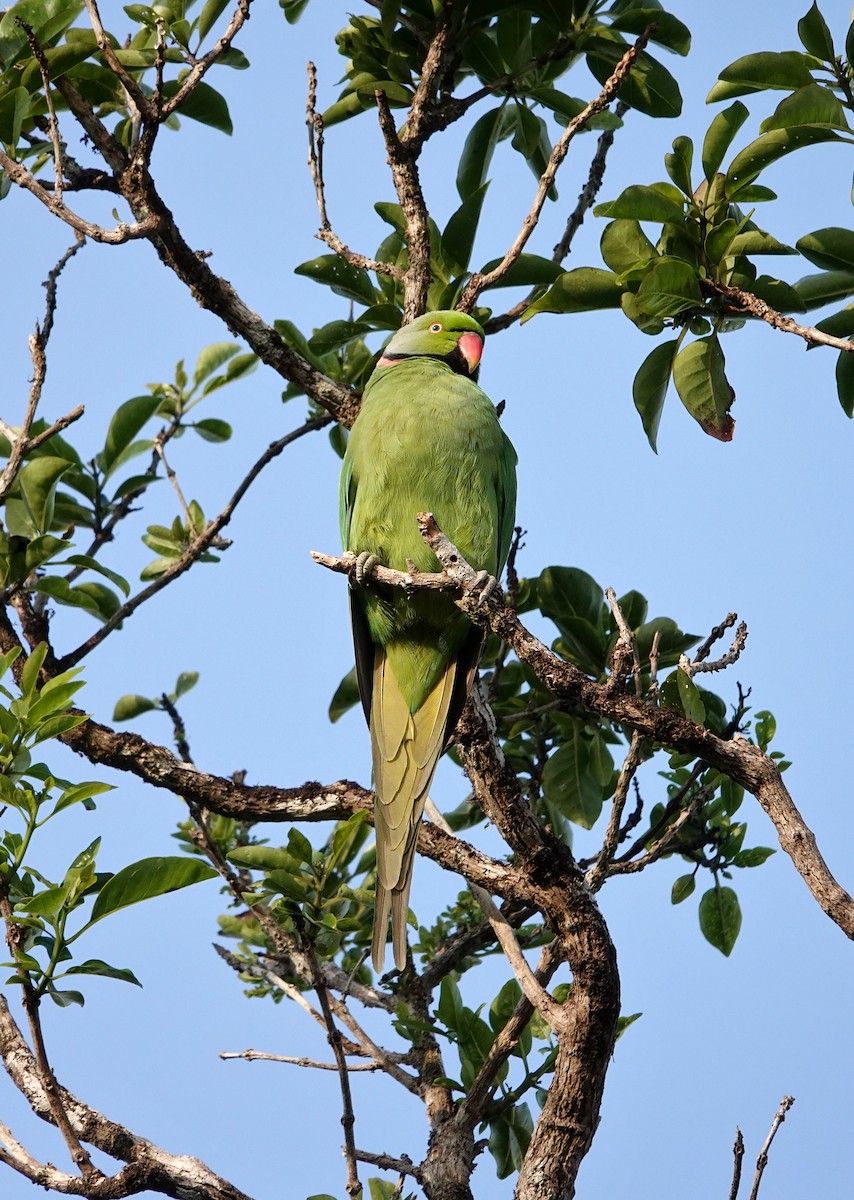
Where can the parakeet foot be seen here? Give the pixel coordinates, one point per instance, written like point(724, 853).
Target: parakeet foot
point(483, 583)
point(365, 563)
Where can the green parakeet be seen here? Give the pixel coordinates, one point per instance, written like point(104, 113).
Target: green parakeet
point(426, 439)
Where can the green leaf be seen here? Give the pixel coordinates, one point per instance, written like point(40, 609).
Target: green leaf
point(81, 793)
point(829, 286)
point(720, 918)
point(670, 31)
point(689, 698)
point(845, 381)
point(91, 564)
point(458, 237)
point(624, 245)
point(568, 783)
point(753, 240)
point(38, 483)
point(650, 387)
point(529, 270)
point(204, 104)
point(335, 334)
point(815, 35)
point(839, 324)
point(14, 106)
point(502, 1006)
point(650, 88)
point(346, 696)
point(679, 164)
point(344, 279)
point(127, 421)
point(570, 592)
point(509, 1137)
point(185, 682)
point(96, 966)
point(209, 16)
point(669, 288)
point(130, 706)
point(212, 357)
point(832, 249)
point(811, 105)
point(753, 858)
point(146, 879)
point(481, 53)
point(580, 290)
point(641, 203)
point(767, 148)
point(784, 70)
point(213, 430)
point(45, 904)
point(65, 998)
point(262, 858)
point(699, 375)
point(719, 137)
point(682, 888)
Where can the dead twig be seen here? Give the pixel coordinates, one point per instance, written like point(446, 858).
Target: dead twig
point(762, 1161)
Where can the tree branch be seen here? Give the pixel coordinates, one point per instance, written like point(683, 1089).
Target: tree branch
point(745, 302)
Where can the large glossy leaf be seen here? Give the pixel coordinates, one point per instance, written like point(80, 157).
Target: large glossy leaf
point(700, 378)
point(346, 696)
point(641, 203)
point(204, 104)
point(459, 234)
point(832, 249)
point(14, 106)
point(581, 290)
point(669, 288)
point(38, 483)
point(650, 387)
point(720, 918)
point(344, 279)
point(767, 69)
point(569, 785)
point(146, 879)
point(770, 146)
point(570, 592)
point(670, 31)
point(624, 244)
point(845, 381)
point(810, 105)
point(815, 35)
point(529, 270)
point(825, 288)
point(650, 88)
point(127, 421)
point(719, 137)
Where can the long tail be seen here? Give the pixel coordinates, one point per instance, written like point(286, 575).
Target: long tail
point(406, 748)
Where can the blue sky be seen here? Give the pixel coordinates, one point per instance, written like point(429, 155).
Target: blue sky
point(761, 525)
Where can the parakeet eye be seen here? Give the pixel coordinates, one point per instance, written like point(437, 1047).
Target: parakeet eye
point(436, 327)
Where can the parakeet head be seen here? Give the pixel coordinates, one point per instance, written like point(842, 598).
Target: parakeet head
point(453, 337)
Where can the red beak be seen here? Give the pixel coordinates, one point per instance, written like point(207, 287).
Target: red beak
point(471, 348)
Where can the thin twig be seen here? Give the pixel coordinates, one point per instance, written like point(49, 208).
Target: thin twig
point(726, 660)
point(596, 875)
point(586, 199)
point(198, 545)
point(21, 443)
point(737, 1156)
point(333, 1034)
point(202, 65)
point(327, 234)
point(264, 1056)
point(53, 124)
point(479, 281)
point(762, 1161)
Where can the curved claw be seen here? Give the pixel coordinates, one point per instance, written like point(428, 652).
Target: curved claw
point(365, 563)
point(485, 584)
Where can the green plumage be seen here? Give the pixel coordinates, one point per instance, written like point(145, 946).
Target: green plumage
point(426, 439)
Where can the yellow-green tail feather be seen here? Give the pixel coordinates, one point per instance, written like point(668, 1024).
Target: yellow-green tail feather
point(406, 747)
